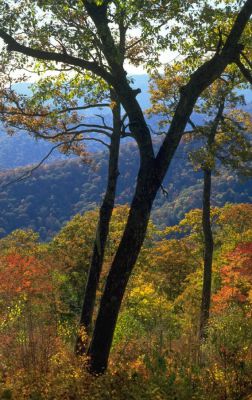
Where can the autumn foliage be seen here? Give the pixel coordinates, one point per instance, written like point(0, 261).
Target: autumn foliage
point(156, 353)
point(24, 275)
point(236, 278)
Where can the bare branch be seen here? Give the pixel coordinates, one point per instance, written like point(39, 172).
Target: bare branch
point(103, 121)
point(101, 127)
point(96, 140)
point(62, 111)
point(28, 173)
point(164, 191)
point(190, 122)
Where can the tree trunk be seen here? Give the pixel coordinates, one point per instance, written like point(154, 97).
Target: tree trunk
point(208, 253)
point(152, 169)
point(102, 232)
point(207, 229)
point(119, 274)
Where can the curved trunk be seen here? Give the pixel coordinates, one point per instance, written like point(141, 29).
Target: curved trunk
point(102, 232)
point(208, 253)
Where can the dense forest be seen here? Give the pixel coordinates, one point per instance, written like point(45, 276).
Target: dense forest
point(126, 213)
point(155, 352)
point(57, 191)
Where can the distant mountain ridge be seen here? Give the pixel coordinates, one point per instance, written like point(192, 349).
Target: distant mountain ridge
point(63, 187)
point(21, 149)
point(59, 190)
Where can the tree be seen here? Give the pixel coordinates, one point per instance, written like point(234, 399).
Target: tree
point(83, 36)
point(236, 278)
point(60, 122)
point(223, 139)
point(29, 303)
point(224, 129)
point(235, 223)
point(102, 230)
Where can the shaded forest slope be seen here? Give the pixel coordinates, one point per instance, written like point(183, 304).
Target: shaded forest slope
point(57, 191)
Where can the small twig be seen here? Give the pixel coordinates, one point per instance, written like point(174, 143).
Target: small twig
point(154, 132)
point(103, 121)
point(95, 126)
point(133, 44)
point(96, 140)
point(28, 173)
point(164, 191)
point(190, 122)
point(124, 118)
point(46, 114)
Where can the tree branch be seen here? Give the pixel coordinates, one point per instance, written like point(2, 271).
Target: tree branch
point(246, 59)
point(203, 77)
point(28, 173)
point(96, 140)
point(245, 71)
point(95, 126)
point(190, 122)
point(47, 114)
point(13, 45)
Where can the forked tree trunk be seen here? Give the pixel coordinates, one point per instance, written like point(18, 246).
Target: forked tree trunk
point(150, 177)
point(152, 170)
point(119, 274)
point(102, 232)
point(208, 253)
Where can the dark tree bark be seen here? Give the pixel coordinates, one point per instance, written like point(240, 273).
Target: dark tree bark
point(207, 230)
point(208, 252)
point(120, 272)
point(102, 232)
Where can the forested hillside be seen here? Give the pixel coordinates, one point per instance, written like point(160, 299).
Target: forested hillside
point(57, 191)
point(155, 349)
point(125, 200)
